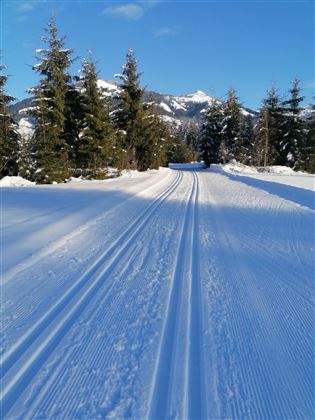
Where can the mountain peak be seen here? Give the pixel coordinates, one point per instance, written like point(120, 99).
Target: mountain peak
point(199, 96)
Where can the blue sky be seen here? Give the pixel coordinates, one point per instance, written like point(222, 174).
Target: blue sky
point(182, 46)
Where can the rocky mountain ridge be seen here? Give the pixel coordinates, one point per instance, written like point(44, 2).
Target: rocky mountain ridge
point(175, 110)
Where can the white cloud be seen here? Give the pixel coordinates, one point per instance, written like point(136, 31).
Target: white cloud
point(28, 6)
point(130, 11)
point(163, 32)
point(25, 7)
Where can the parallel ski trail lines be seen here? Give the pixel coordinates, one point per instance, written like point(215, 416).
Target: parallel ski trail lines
point(97, 272)
point(196, 394)
point(53, 246)
point(249, 293)
point(164, 401)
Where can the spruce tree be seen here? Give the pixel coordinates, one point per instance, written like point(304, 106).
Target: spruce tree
point(294, 137)
point(151, 147)
point(245, 152)
point(308, 152)
point(130, 114)
point(269, 130)
point(211, 135)
point(74, 119)
point(9, 136)
point(231, 126)
point(97, 137)
point(51, 148)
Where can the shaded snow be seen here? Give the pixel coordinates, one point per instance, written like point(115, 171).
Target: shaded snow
point(166, 107)
point(277, 174)
point(162, 294)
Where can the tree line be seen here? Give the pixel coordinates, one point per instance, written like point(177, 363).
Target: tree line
point(279, 135)
point(78, 131)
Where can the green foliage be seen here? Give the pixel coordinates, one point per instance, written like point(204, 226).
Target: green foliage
point(231, 126)
point(246, 147)
point(294, 130)
point(308, 152)
point(9, 137)
point(140, 128)
point(97, 136)
point(211, 135)
point(178, 151)
point(269, 130)
point(129, 115)
point(51, 149)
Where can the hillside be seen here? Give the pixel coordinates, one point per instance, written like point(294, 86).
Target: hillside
point(174, 109)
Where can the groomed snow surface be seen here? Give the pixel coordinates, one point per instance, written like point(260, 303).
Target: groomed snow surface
point(178, 293)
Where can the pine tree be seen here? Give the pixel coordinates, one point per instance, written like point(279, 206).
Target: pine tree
point(211, 135)
point(269, 130)
point(74, 119)
point(245, 153)
point(130, 113)
point(190, 133)
point(294, 138)
point(231, 126)
point(97, 136)
point(49, 108)
point(178, 151)
point(151, 148)
point(308, 153)
point(9, 137)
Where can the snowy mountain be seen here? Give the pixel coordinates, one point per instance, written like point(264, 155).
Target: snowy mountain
point(173, 109)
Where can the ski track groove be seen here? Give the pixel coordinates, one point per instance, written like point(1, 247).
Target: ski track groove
point(97, 262)
point(17, 383)
point(253, 315)
point(89, 353)
point(163, 385)
point(58, 243)
point(241, 276)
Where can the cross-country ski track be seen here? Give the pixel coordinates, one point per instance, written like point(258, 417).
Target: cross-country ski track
point(178, 293)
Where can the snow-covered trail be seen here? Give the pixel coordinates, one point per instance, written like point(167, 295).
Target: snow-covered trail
point(178, 294)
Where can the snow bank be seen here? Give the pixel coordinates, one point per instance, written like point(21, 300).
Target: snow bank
point(234, 167)
point(284, 170)
point(192, 165)
point(15, 181)
point(277, 174)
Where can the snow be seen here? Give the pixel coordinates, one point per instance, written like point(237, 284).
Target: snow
point(175, 104)
point(107, 85)
point(15, 181)
point(276, 174)
point(187, 166)
point(177, 293)
point(26, 128)
point(200, 97)
point(166, 107)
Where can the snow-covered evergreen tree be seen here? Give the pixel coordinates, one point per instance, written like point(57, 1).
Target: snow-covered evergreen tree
point(245, 151)
point(269, 130)
point(74, 119)
point(9, 136)
point(210, 137)
point(231, 126)
point(129, 115)
point(294, 137)
point(49, 141)
point(308, 153)
point(97, 137)
point(151, 150)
